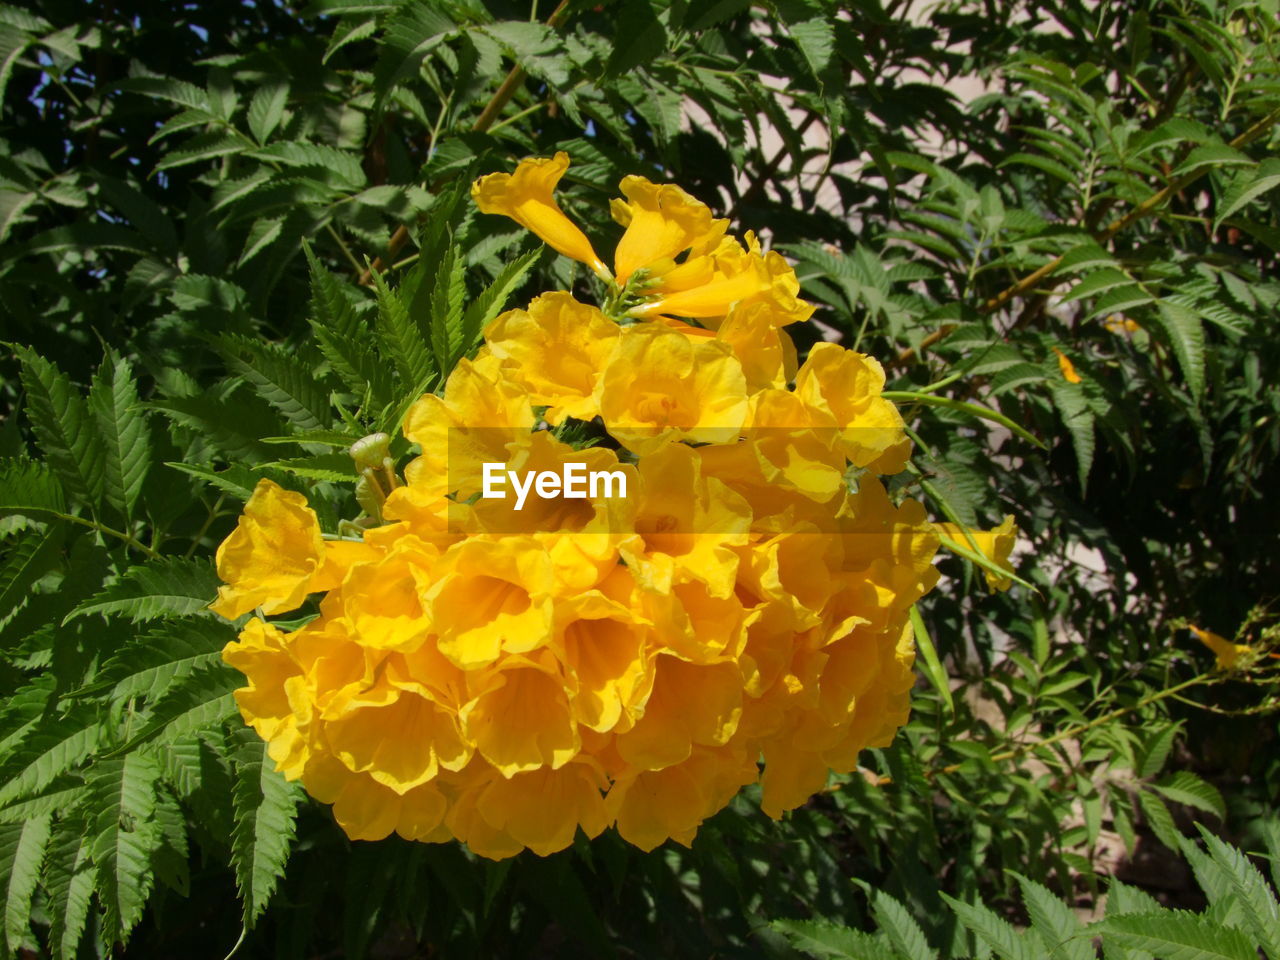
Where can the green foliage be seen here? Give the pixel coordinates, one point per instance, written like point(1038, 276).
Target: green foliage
point(236, 238)
point(1134, 925)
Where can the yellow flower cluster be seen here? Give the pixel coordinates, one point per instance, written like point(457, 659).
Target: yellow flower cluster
point(506, 677)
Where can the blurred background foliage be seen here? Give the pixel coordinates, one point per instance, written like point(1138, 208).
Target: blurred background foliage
point(234, 237)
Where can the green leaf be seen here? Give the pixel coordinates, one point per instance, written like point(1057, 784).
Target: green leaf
point(150, 664)
point(936, 673)
point(1211, 155)
point(414, 31)
point(266, 110)
point(63, 428)
point(343, 337)
point(639, 37)
point(402, 339)
point(165, 588)
point(1185, 332)
point(900, 928)
point(60, 796)
point(69, 884)
point(1176, 935)
point(30, 557)
point(829, 941)
point(1160, 820)
point(281, 378)
point(816, 40)
point(203, 147)
point(1248, 188)
point(57, 745)
point(998, 934)
point(123, 838)
point(1062, 932)
point(1257, 900)
point(266, 806)
point(1185, 787)
point(331, 467)
point(447, 294)
point(22, 850)
point(121, 422)
point(490, 303)
point(1156, 751)
point(1099, 281)
point(27, 486)
point(236, 480)
point(200, 699)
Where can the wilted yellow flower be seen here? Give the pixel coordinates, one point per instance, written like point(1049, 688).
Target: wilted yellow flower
point(1067, 368)
point(995, 544)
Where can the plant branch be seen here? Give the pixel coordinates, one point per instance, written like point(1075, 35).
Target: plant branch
point(501, 97)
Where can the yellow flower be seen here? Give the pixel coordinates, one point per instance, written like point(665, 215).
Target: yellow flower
point(555, 350)
point(526, 197)
point(661, 386)
point(1067, 367)
point(491, 595)
point(519, 716)
point(1226, 653)
point(673, 253)
point(271, 557)
point(686, 525)
point(842, 391)
point(995, 544)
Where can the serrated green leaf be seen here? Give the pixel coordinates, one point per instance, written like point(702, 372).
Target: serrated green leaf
point(60, 796)
point(343, 338)
point(200, 699)
point(1156, 749)
point(1185, 787)
point(412, 33)
point(124, 837)
point(22, 850)
point(236, 480)
point(30, 556)
point(447, 293)
point(1059, 928)
point(1257, 901)
point(403, 341)
point(69, 883)
point(829, 941)
point(1248, 188)
point(486, 307)
point(1159, 819)
point(281, 378)
point(266, 807)
point(203, 147)
point(152, 662)
point(165, 588)
point(1177, 935)
point(900, 928)
point(998, 934)
point(266, 110)
point(113, 398)
point(331, 467)
point(1211, 155)
point(66, 433)
point(54, 747)
point(1185, 332)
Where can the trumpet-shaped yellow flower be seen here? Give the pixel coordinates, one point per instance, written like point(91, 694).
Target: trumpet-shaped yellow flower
point(555, 350)
point(661, 386)
point(273, 555)
point(526, 197)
